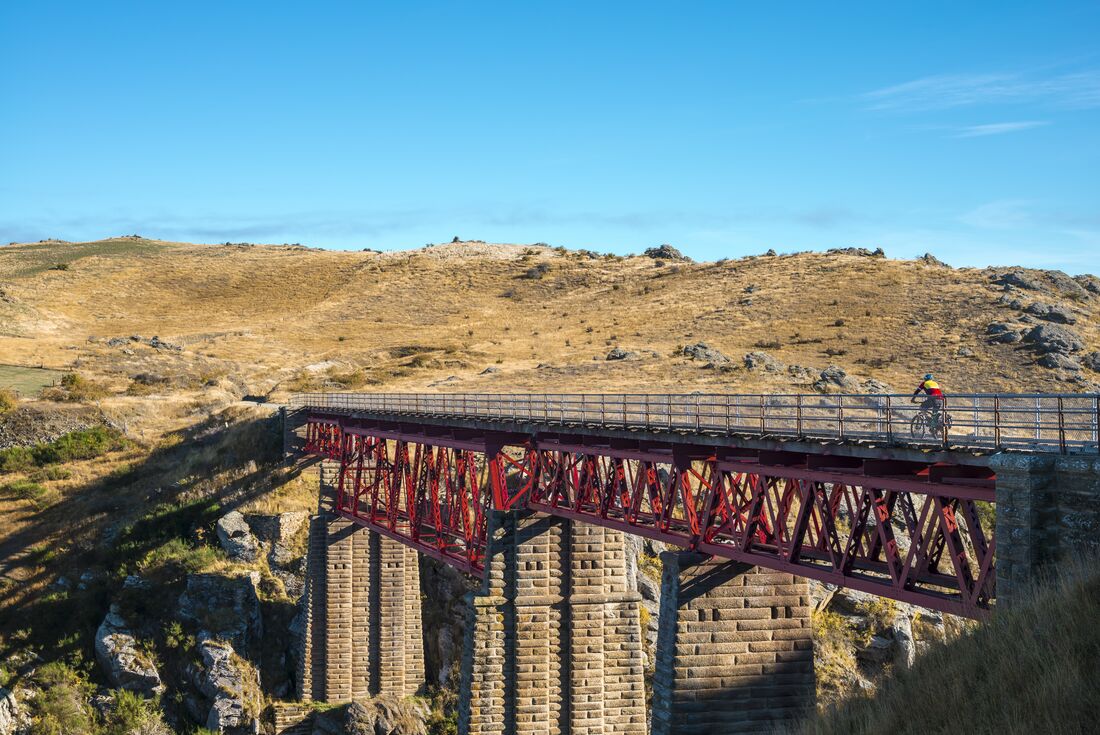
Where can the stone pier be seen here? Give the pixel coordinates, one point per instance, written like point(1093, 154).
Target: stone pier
point(1048, 510)
point(554, 641)
point(734, 648)
point(362, 631)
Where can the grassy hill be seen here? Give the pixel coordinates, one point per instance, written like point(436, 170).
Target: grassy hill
point(273, 317)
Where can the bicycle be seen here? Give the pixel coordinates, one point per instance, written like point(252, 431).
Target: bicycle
point(930, 423)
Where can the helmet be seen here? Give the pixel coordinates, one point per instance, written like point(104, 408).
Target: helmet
point(928, 376)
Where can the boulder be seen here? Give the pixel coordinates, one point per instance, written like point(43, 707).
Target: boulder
point(832, 379)
point(1051, 313)
point(387, 715)
point(235, 536)
point(930, 259)
point(1059, 361)
point(1006, 338)
point(158, 344)
point(762, 361)
point(1092, 361)
point(125, 666)
point(618, 353)
point(1048, 338)
point(489, 370)
point(703, 351)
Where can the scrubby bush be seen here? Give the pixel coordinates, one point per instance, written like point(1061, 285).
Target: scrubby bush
point(24, 490)
point(16, 459)
point(75, 388)
point(134, 715)
point(8, 401)
point(60, 707)
point(83, 444)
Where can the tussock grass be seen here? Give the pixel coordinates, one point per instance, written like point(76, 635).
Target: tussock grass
point(1031, 669)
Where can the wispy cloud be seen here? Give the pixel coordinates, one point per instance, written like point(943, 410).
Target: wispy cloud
point(1077, 90)
point(979, 131)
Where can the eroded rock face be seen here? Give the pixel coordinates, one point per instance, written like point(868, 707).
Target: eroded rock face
point(231, 686)
point(125, 665)
point(382, 715)
point(665, 252)
point(226, 608)
point(235, 536)
point(12, 717)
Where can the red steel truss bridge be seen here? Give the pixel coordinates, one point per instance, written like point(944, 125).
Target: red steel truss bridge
point(849, 490)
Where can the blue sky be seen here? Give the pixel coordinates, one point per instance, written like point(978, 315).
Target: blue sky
point(971, 130)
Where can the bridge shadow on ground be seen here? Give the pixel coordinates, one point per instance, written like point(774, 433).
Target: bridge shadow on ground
point(61, 570)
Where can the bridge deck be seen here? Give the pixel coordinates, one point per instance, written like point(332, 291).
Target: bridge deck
point(1037, 423)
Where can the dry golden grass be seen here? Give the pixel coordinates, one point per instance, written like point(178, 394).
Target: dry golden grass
point(1030, 670)
point(265, 320)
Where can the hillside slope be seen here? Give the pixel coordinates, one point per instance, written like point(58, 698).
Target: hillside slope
point(1032, 669)
point(270, 318)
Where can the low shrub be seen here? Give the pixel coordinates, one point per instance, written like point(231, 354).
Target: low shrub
point(75, 388)
point(16, 459)
point(134, 714)
point(60, 707)
point(24, 490)
point(8, 400)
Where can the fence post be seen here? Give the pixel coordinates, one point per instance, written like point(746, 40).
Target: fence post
point(1061, 426)
point(762, 429)
point(840, 414)
point(997, 420)
point(727, 396)
point(889, 421)
point(798, 416)
point(668, 407)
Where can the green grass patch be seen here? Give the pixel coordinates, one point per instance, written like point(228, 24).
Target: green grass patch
point(175, 559)
point(27, 381)
point(48, 256)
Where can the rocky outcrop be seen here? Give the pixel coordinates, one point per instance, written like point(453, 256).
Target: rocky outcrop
point(666, 252)
point(12, 718)
point(834, 379)
point(762, 361)
point(1051, 313)
point(618, 353)
point(703, 351)
point(231, 686)
point(124, 664)
point(1092, 361)
point(861, 252)
point(1055, 345)
point(235, 536)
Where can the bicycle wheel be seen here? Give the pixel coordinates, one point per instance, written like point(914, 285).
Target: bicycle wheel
point(920, 426)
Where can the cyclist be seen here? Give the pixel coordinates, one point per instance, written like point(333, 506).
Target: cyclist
point(933, 402)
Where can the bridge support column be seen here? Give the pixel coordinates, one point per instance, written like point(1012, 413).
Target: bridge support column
point(554, 644)
point(734, 648)
point(362, 634)
point(1048, 510)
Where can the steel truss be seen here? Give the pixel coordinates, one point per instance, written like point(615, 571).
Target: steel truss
point(917, 532)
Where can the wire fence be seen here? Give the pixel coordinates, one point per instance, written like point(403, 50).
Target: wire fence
point(1054, 423)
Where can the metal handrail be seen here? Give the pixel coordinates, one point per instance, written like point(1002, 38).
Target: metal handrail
point(1065, 423)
